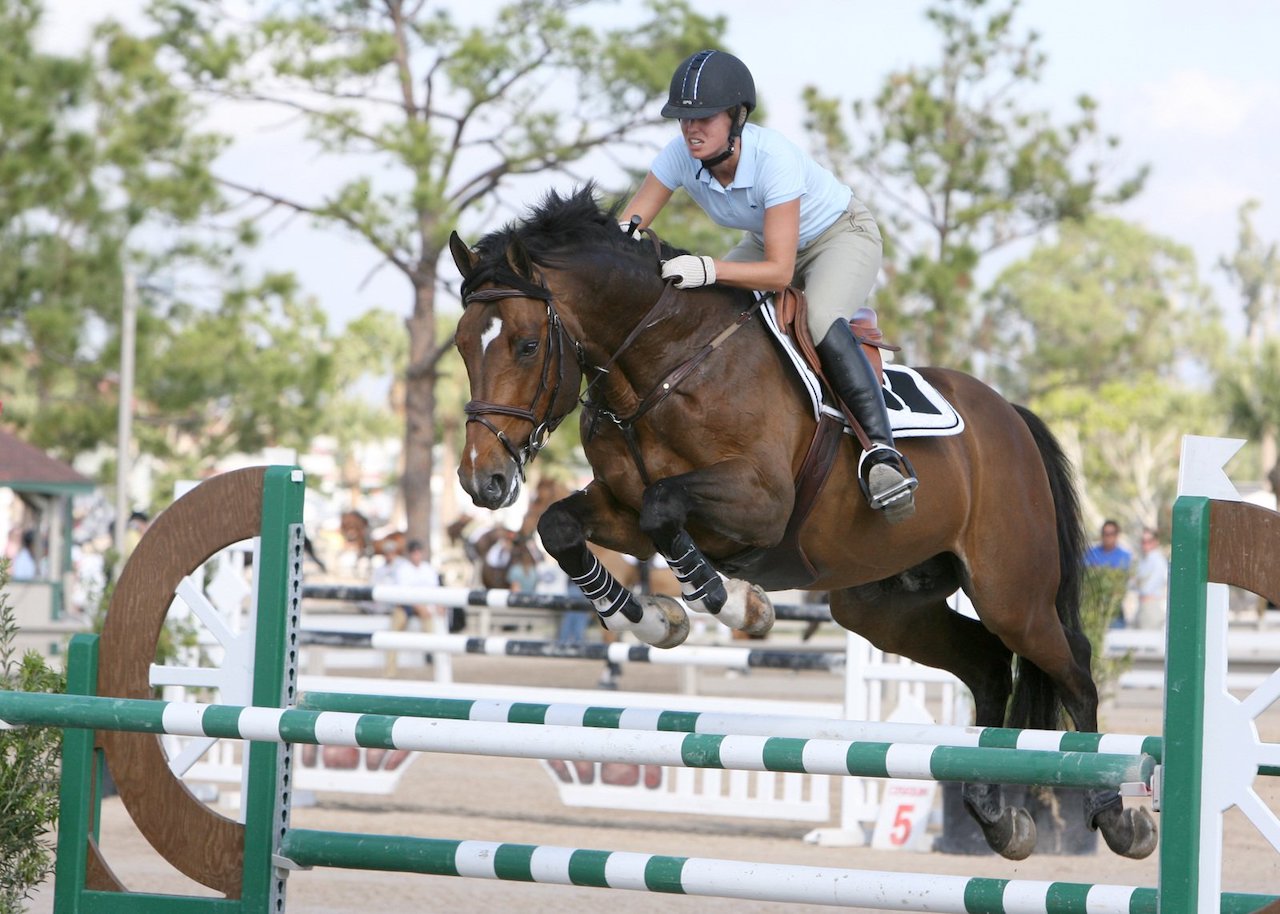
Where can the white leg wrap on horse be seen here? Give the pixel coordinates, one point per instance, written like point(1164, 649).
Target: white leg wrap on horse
point(664, 622)
point(701, 587)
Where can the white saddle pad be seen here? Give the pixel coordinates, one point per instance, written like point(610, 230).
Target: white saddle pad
point(916, 408)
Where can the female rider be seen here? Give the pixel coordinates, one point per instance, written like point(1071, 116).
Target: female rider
point(802, 226)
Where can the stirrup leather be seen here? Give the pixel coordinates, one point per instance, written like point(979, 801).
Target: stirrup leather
point(898, 492)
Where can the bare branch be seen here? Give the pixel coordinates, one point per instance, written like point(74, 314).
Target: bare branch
point(346, 219)
point(403, 71)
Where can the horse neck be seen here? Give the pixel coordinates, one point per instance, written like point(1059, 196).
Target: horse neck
point(604, 316)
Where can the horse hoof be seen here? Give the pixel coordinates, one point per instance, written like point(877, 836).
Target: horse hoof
point(1013, 835)
point(1129, 832)
point(748, 609)
point(665, 623)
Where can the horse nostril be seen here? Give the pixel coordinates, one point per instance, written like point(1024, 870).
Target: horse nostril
point(495, 487)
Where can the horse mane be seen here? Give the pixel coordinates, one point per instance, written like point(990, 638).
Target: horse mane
point(556, 227)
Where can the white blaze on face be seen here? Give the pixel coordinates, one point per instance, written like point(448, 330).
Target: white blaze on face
point(491, 333)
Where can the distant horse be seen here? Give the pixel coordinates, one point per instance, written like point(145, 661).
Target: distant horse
point(489, 551)
point(357, 535)
point(697, 434)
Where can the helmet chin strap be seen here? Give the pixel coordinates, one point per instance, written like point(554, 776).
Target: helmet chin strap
point(715, 160)
point(739, 121)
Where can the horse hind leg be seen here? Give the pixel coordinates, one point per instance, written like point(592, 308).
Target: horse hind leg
point(908, 615)
point(1058, 663)
point(1128, 832)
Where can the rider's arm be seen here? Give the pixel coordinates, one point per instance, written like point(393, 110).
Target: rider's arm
point(647, 202)
point(781, 240)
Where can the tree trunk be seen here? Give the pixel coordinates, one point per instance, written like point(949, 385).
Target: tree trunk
point(420, 413)
point(1267, 455)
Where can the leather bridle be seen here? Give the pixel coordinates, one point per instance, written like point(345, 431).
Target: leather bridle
point(552, 366)
point(479, 410)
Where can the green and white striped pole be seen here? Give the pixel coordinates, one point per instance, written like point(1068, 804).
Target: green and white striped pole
point(689, 750)
point(771, 882)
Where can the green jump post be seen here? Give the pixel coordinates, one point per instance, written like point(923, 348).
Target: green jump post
point(266, 804)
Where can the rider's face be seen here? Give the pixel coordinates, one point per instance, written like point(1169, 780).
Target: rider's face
point(706, 136)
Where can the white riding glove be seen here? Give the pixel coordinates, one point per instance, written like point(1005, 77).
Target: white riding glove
point(690, 271)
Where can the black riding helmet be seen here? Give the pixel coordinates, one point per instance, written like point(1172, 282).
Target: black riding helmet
point(707, 83)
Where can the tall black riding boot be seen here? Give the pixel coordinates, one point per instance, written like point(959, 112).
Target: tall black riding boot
point(889, 482)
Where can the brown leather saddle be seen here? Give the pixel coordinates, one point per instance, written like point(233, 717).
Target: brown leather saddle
point(785, 566)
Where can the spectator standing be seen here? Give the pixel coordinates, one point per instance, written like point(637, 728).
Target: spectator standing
point(24, 567)
point(522, 573)
point(1151, 582)
point(413, 570)
point(138, 523)
point(1107, 552)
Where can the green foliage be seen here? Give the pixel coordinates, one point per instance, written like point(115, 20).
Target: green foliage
point(1104, 332)
point(447, 117)
point(1247, 379)
point(1255, 270)
point(1103, 301)
point(955, 167)
point(250, 374)
point(1101, 603)
point(98, 151)
point(28, 772)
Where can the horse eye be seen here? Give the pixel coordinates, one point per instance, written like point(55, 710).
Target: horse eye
point(526, 348)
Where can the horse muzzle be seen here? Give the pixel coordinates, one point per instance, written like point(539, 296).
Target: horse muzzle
point(490, 488)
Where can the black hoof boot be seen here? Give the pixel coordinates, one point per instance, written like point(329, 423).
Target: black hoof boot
point(1010, 831)
point(1128, 832)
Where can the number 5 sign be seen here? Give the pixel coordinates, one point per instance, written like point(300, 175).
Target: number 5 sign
point(905, 805)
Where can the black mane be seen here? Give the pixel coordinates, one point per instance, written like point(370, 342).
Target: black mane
point(556, 226)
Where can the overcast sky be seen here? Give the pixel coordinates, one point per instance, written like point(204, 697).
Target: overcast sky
point(1191, 88)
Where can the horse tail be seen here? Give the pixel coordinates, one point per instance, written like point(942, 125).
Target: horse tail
point(1035, 701)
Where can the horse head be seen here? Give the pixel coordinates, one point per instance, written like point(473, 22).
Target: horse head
point(559, 295)
point(524, 376)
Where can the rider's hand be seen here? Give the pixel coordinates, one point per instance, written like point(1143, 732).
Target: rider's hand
point(690, 271)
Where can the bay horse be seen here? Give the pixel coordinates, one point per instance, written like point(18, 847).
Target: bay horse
point(489, 552)
point(696, 430)
point(357, 535)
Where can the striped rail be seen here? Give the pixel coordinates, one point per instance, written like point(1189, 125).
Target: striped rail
point(574, 715)
point(685, 655)
point(770, 882)
point(616, 718)
point(499, 599)
point(688, 750)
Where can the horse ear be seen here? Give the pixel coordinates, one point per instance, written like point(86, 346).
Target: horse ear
point(463, 256)
point(519, 260)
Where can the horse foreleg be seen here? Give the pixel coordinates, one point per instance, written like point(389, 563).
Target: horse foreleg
point(656, 620)
point(740, 605)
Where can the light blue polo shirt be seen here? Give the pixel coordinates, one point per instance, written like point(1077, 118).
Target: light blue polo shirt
point(771, 170)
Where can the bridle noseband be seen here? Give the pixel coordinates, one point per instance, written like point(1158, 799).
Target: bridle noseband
point(479, 410)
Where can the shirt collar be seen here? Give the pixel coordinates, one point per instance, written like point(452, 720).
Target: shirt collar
point(745, 174)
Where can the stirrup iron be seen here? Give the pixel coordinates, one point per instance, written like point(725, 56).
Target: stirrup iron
point(897, 493)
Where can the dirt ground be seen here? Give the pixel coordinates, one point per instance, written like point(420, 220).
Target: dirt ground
point(464, 797)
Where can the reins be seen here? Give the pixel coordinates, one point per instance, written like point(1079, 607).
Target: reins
point(479, 410)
